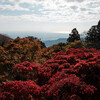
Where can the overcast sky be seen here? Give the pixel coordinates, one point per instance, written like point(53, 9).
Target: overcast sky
point(48, 15)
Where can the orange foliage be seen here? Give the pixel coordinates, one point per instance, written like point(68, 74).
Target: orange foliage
point(47, 53)
point(17, 51)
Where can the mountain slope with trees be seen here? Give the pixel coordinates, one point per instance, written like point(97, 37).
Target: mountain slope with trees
point(65, 71)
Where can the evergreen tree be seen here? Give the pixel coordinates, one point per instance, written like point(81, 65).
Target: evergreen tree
point(93, 34)
point(99, 23)
point(73, 36)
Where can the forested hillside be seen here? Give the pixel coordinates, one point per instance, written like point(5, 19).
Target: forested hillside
point(67, 71)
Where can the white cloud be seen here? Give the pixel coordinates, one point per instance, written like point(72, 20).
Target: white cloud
point(12, 8)
point(58, 10)
point(75, 0)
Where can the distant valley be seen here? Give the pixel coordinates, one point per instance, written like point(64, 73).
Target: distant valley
point(52, 42)
point(48, 38)
point(43, 36)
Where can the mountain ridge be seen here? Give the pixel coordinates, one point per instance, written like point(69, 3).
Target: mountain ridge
point(49, 43)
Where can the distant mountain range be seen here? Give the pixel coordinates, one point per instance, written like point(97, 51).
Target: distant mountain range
point(48, 38)
point(52, 42)
point(4, 39)
point(43, 36)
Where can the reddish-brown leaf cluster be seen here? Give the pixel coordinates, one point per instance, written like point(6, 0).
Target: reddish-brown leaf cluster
point(25, 71)
point(21, 90)
point(18, 50)
point(73, 75)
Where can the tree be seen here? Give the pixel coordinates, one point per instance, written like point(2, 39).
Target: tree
point(99, 23)
point(31, 38)
point(74, 36)
point(93, 34)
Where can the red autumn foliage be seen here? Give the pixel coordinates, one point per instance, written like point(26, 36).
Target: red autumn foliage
point(70, 85)
point(25, 71)
point(21, 90)
point(6, 96)
point(73, 75)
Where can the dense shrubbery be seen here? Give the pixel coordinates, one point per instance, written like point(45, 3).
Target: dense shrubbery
point(73, 75)
point(20, 90)
point(54, 75)
point(17, 51)
point(25, 71)
point(48, 53)
point(24, 49)
point(75, 45)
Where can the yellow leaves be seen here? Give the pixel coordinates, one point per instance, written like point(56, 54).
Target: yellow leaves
point(18, 50)
point(2, 76)
point(30, 97)
point(76, 44)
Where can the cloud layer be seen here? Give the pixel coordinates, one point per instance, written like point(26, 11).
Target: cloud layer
point(50, 10)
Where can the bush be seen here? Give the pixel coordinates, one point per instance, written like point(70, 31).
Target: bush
point(75, 45)
point(17, 51)
point(73, 75)
point(21, 90)
point(25, 71)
